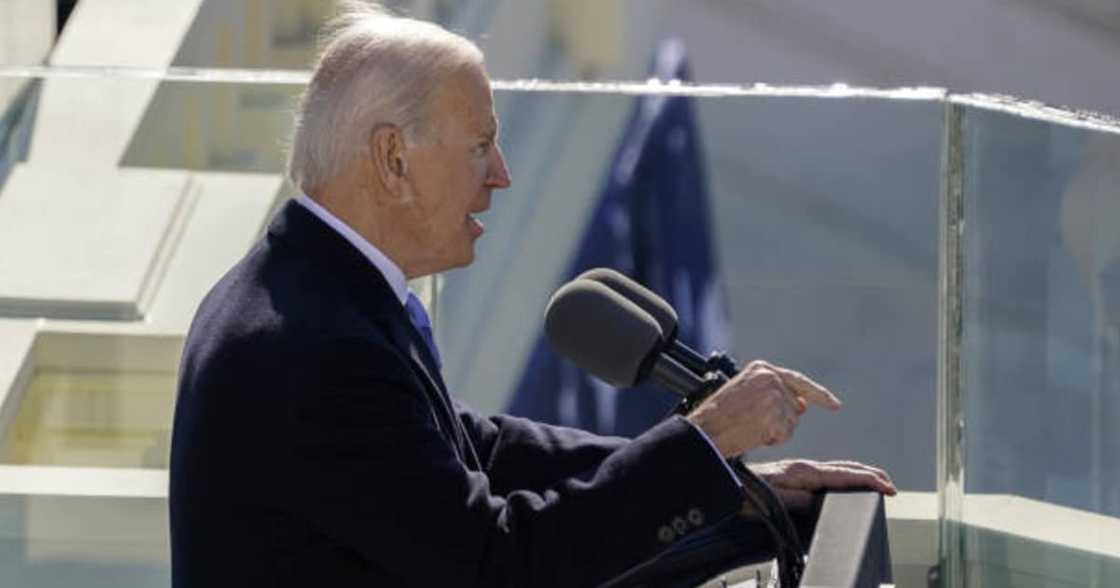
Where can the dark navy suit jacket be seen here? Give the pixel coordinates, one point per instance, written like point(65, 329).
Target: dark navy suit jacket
point(315, 444)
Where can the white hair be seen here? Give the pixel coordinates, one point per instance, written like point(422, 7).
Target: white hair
point(375, 68)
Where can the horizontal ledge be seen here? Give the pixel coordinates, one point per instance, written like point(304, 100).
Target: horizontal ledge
point(1039, 111)
point(82, 481)
point(1010, 104)
point(1017, 516)
point(632, 87)
point(102, 310)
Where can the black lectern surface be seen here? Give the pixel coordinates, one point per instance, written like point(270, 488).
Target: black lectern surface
point(849, 547)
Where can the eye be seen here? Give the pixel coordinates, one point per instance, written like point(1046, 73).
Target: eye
point(483, 147)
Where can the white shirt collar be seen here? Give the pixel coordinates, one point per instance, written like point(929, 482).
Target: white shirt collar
point(392, 273)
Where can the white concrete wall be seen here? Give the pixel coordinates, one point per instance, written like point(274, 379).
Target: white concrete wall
point(26, 34)
point(27, 29)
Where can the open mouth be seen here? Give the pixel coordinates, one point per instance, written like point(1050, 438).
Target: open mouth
point(477, 228)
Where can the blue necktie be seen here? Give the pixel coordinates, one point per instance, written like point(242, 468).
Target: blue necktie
point(423, 324)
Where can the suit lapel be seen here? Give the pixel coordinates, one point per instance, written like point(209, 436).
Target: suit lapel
point(374, 295)
point(407, 337)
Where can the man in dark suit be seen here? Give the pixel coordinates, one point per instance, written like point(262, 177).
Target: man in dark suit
point(315, 442)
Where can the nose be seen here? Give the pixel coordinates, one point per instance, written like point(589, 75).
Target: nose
point(497, 175)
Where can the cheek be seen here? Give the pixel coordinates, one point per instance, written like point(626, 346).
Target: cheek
point(479, 167)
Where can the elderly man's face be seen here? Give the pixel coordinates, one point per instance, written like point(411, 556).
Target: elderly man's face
point(450, 177)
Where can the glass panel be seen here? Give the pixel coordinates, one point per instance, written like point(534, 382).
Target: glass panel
point(95, 400)
point(122, 200)
point(107, 419)
point(51, 541)
point(273, 34)
point(827, 220)
point(84, 453)
point(114, 238)
point(239, 127)
point(1040, 353)
point(823, 218)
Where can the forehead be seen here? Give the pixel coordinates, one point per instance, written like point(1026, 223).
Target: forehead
point(464, 100)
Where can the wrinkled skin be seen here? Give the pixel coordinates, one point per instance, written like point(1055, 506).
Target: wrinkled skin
point(795, 480)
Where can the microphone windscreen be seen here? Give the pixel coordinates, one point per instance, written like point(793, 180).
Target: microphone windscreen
point(601, 331)
point(653, 304)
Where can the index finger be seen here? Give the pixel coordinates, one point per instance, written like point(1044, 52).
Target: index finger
point(806, 388)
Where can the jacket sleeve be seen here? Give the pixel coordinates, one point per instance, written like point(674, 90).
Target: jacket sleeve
point(375, 474)
point(518, 453)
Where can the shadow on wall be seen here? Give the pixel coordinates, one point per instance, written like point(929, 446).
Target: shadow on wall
point(16, 125)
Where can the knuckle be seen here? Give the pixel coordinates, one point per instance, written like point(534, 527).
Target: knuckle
point(767, 378)
point(799, 467)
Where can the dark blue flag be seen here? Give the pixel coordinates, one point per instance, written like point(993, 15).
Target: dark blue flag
point(650, 223)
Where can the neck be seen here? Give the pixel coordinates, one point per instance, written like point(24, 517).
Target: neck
point(369, 212)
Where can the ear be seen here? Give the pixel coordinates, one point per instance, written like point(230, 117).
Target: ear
point(386, 152)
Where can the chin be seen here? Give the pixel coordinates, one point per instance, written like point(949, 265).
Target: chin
point(467, 253)
point(463, 260)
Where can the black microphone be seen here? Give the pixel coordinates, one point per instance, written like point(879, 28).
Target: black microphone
point(656, 306)
point(614, 339)
point(666, 317)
